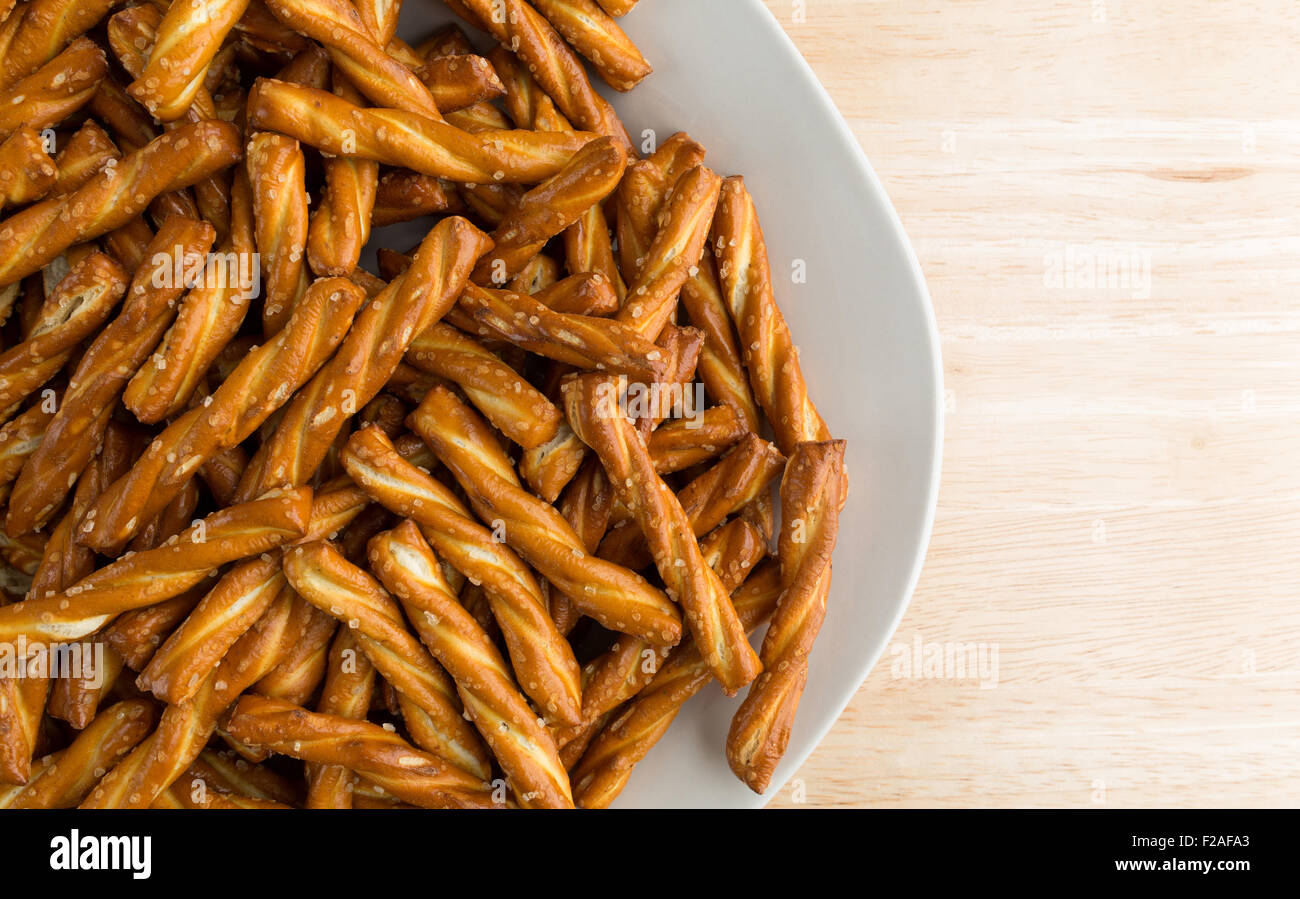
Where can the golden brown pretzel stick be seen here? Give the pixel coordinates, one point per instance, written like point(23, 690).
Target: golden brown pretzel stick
point(607, 764)
point(517, 737)
point(26, 171)
point(541, 657)
point(745, 472)
point(208, 317)
point(276, 172)
point(380, 756)
point(404, 195)
point(184, 730)
point(677, 248)
point(80, 303)
point(340, 226)
point(81, 156)
point(400, 138)
point(135, 635)
point(349, 689)
point(357, 54)
point(265, 32)
point(69, 776)
point(629, 665)
point(150, 577)
point(55, 90)
point(617, 7)
point(550, 467)
point(365, 361)
point(22, 706)
point(131, 36)
point(679, 444)
point(188, 38)
point(720, 366)
point(810, 504)
point(538, 273)
point(113, 197)
point(171, 520)
point(321, 575)
point(559, 71)
point(642, 195)
point(594, 34)
point(20, 437)
point(119, 349)
point(579, 340)
point(379, 17)
point(302, 667)
point(512, 404)
point(230, 773)
point(591, 405)
point(619, 599)
point(766, 346)
point(238, 600)
point(40, 30)
point(262, 383)
point(221, 474)
point(459, 82)
point(586, 293)
point(76, 700)
point(551, 207)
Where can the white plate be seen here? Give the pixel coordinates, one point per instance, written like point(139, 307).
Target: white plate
point(726, 73)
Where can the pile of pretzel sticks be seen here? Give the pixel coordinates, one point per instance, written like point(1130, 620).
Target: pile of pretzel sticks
point(353, 539)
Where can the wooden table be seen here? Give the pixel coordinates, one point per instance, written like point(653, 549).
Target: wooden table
point(1105, 198)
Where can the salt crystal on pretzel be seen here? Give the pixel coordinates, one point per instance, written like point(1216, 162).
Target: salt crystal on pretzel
point(616, 597)
point(71, 773)
point(79, 304)
point(27, 172)
point(810, 504)
point(349, 688)
point(113, 197)
point(321, 575)
point(378, 339)
point(188, 38)
point(159, 574)
point(78, 427)
point(262, 383)
point(377, 754)
point(55, 90)
point(766, 347)
point(555, 66)
point(541, 657)
point(400, 138)
point(594, 34)
point(517, 737)
point(591, 405)
point(629, 736)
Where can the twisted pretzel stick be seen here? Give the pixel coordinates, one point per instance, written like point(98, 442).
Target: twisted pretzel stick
point(41, 30)
point(365, 361)
point(402, 196)
point(745, 472)
point(357, 54)
point(379, 755)
point(400, 138)
point(238, 600)
point(222, 472)
point(579, 340)
point(70, 774)
point(551, 207)
point(131, 36)
point(606, 766)
point(810, 503)
point(22, 707)
point(324, 578)
point(113, 197)
point(78, 305)
point(680, 444)
point(259, 385)
point(541, 657)
point(55, 90)
point(79, 425)
point(265, 32)
point(517, 737)
point(150, 577)
point(81, 156)
point(720, 366)
point(76, 700)
point(614, 596)
point(559, 71)
point(135, 635)
point(183, 730)
point(26, 171)
point(188, 38)
point(302, 667)
point(20, 437)
point(591, 407)
point(459, 82)
point(340, 226)
point(349, 689)
point(512, 404)
point(643, 193)
point(598, 37)
point(617, 7)
point(768, 352)
point(677, 248)
point(230, 773)
point(586, 293)
point(206, 321)
point(379, 17)
point(276, 172)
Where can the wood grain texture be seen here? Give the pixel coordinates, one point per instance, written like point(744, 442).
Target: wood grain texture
point(1120, 510)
